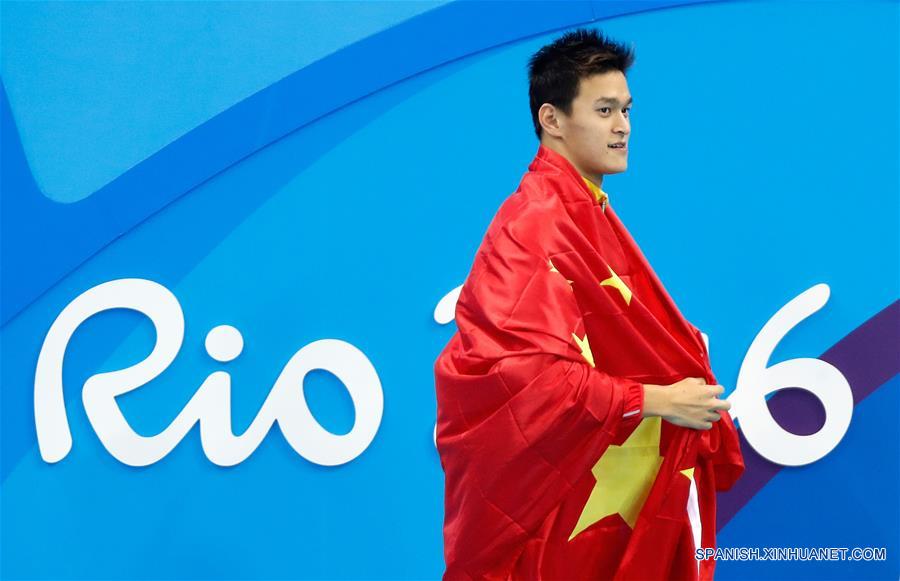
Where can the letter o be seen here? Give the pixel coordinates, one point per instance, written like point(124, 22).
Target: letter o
point(301, 429)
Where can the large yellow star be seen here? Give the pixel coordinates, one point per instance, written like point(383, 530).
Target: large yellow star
point(624, 475)
point(618, 284)
point(585, 348)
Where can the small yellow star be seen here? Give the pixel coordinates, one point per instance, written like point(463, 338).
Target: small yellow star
point(624, 475)
point(553, 269)
point(689, 472)
point(585, 348)
point(618, 284)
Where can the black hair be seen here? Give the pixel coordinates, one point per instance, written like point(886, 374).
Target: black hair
point(555, 70)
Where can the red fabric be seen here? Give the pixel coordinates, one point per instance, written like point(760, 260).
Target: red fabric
point(523, 417)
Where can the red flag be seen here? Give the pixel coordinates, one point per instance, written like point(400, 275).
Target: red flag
point(550, 470)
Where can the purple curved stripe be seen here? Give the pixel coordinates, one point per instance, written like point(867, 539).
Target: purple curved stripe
point(868, 358)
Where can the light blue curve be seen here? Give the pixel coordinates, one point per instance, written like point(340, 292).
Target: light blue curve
point(96, 88)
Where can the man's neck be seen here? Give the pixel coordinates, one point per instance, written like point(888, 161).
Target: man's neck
point(559, 148)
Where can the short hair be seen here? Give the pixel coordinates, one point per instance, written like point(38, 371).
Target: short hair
point(555, 71)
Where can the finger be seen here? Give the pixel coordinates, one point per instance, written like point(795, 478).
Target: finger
point(699, 380)
point(717, 389)
point(713, 417)
point(705, 426)
point(720, 404)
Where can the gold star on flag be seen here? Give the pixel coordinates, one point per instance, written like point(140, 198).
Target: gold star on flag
point(618, 284)
point(689, 472)
point(553, 269)
point(624, 476)
point(585, 348)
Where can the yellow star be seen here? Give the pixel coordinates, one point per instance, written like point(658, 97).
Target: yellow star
point(689, 472)
point(553, 269)
point(624, 476)
point(617, 283)
point(585, 348)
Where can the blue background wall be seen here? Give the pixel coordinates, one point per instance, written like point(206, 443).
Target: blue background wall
point(326, 170)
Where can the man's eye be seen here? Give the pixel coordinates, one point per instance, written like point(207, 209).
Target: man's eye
point(627, 110)
point(603, 109)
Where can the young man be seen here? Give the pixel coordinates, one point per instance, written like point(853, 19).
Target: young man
point(578, 423)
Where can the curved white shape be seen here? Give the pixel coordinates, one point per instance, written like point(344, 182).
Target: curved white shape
point(823, 380)
point(211, 404)
point(145, 296)
point(297, 423)
point(445, 311)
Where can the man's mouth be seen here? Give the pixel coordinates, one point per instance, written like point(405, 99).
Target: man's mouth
point(620, 146)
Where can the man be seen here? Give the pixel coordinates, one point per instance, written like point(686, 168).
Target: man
point(578, 423)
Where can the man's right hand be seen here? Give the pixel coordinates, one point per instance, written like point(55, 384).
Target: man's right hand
point(690, 403)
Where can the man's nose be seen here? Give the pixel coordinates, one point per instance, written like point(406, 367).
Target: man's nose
point(623, 126)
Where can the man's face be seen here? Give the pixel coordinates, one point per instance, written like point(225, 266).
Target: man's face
point(600, 118)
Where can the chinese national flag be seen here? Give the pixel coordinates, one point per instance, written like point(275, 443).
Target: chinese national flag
point(550, 470)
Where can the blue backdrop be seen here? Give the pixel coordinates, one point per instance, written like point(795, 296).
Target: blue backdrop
point(325, 170)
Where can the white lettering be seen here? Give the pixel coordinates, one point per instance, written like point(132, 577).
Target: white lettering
point(820, 378)
point(211, 404)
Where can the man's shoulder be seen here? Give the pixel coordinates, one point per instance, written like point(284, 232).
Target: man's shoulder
point(532, 221)
point(535, 202)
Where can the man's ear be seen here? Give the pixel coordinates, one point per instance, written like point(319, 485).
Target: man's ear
point(549, 117)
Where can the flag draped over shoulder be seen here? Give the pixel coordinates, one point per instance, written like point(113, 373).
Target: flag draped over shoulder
point(551, 472)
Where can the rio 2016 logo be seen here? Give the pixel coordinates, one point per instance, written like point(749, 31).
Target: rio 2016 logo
point(210, 405)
